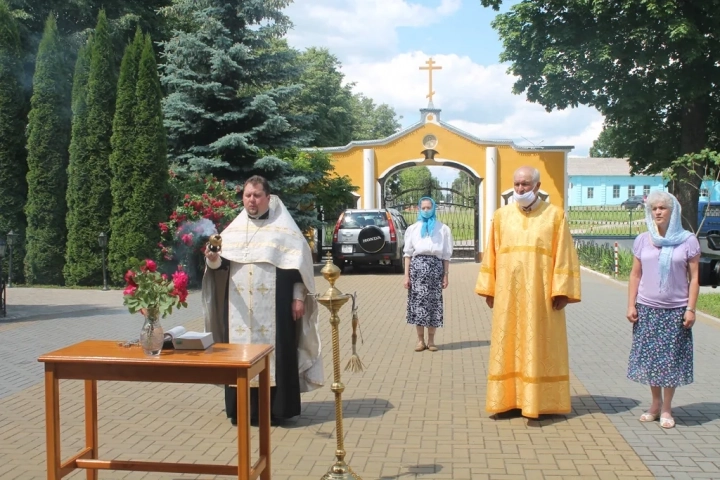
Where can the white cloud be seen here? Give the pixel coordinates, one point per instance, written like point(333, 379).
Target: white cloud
point(473, 97)
point(357, 29)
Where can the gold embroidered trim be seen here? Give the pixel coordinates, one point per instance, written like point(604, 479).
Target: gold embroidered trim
point(523, 248)
point(511, 375)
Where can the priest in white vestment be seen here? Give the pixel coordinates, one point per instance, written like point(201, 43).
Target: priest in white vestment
point(256, 291)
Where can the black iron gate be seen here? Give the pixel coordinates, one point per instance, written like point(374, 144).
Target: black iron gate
point(458, 209)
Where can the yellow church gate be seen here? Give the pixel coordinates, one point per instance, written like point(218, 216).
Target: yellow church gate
point(432, 142)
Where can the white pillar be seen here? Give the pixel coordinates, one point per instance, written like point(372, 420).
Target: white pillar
point(567, 184)
point(368, 178)
point(491, 188)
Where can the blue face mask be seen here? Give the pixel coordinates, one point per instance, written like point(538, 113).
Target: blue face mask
point(426, 213)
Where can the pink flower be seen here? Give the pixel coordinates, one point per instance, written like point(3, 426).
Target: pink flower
point(130, 290)
point(150, 265)
point(187, 239)
point(163, 227)
point(130, 278)
point(180, 280)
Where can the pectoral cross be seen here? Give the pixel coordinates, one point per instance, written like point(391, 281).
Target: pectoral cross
point(430, 69)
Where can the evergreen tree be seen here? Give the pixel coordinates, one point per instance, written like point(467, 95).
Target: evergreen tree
point(13, 167)
point(122, 158)
point(147, 163)
point(47, 158)
point(231, 81)
point(89, 212)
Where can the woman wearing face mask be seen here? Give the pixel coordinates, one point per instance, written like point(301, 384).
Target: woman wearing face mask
point(662, 292)
point(428, 248)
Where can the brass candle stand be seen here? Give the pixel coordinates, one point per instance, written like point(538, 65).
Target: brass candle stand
point(333, 300)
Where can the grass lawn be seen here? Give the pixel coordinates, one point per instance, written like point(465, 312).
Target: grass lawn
point(709, 303)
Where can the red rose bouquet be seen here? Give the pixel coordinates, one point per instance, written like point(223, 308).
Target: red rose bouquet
point(148, 290)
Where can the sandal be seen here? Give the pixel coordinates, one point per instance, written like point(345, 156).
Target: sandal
point(420, 347)
point(649, 417)
point(432, 348)
point(667, 422)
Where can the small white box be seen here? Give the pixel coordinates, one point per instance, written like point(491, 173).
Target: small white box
point(193, 341)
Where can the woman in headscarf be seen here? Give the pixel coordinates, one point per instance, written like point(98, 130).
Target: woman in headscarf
point(662, 293)
point(428, 248)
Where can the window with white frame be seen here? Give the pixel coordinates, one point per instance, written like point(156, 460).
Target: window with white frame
point(590, 192)
point(646, 189)
point(616, 191)
point(631, 190)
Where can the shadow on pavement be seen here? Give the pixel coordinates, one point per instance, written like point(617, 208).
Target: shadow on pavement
point(416, 470)
point(464, 344)
point(696, 413)
point(581, 405)
point(65, 311)
point(314, 413)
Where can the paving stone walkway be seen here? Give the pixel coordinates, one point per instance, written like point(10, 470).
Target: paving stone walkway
point(408, 416)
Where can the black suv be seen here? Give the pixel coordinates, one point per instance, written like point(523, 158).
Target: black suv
point(365, 237)
point(636, 201)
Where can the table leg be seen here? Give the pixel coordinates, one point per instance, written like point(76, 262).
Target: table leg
point(243, 424)
point(264, 417)
point(91, 424)
point(52, 422)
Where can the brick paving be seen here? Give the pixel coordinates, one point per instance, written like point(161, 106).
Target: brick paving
point(409, 415)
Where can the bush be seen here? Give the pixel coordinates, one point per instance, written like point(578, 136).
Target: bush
point(208, 207)
point(601, 258)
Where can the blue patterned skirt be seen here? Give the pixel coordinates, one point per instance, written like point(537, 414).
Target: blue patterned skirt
point(662, 349)
point(425, 302)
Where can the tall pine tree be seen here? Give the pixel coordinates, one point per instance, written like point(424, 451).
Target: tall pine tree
point(122, 158)
point(13, 167)
point(47, 158)
point(89, 211)
point(139, 158)
point(230, 82)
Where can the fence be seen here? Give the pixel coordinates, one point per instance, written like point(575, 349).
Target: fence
point(606, 221)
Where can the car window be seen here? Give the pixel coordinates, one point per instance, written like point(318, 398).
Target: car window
point(363, 219)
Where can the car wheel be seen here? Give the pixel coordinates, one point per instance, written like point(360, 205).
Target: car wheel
point(399, 265)
point(339, 263)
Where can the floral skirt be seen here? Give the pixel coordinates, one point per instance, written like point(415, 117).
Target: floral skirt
point(425, 302)
point(662, 349)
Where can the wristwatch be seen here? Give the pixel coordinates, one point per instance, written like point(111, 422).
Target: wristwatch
point(690, 310)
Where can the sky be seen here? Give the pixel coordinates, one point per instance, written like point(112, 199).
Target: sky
point(382, 44)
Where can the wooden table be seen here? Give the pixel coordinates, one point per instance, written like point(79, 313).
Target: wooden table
point(221, 364)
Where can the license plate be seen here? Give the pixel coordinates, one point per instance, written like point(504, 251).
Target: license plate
point(347, 249)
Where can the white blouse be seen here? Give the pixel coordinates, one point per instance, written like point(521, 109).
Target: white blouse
point(439, 244)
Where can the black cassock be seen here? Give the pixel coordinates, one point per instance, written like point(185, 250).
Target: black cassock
point(285, 395)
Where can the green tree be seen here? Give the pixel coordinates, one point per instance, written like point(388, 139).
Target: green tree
point(231, 85)
point(48, 140)
point(372, 121)
point(649, 67)
point(13, 167)
point(325, 99)
point(122, 160)
point(89, 211)
point(604, 146)
point(150, 168)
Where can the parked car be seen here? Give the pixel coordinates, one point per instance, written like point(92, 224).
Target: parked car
point(711, 223)
point(369, 237)
point(636, 201)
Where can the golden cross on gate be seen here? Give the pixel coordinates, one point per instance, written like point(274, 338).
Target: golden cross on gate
point(430, 69)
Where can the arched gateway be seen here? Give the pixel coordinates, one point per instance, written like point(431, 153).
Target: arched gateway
point(431, 142)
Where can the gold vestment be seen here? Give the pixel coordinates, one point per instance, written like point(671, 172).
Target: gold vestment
point(529, 259)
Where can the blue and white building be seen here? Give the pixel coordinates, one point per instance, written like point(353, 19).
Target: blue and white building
point(606, 181)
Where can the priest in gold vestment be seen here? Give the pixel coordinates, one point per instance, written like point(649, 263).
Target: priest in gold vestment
point(529, 273)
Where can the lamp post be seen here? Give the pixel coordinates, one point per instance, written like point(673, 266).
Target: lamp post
point(3, 309)
point(102, 241)
point(10, 242)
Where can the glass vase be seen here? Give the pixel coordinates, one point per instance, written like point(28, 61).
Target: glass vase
point(152, 334)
